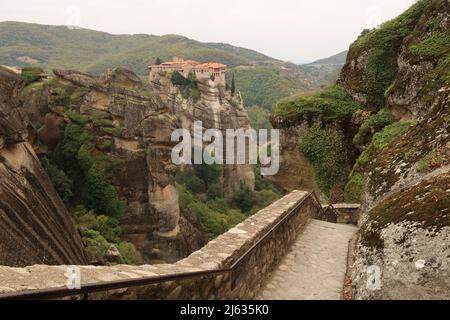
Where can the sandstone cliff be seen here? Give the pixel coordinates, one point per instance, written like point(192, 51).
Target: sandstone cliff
point(215, 108)
point(35, 226)
point(129, 124)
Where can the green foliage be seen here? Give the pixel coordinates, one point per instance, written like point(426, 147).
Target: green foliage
point(263, 198)
point(379, 141)
point(158, 61)
point(233, 85)
point(191, 181)
point(262, 183)
point(372, 125)
point(430, 160)
point(63, 185)
point(326, 150)
point(435, 46)
point(31, 74)
point(379, 76)
point(384, 42)
point(107, 227)
point(95, 243)
point(214, 216)
point(128, 253)
point(210, 174)
point(259, 118)
point(89, 173)
point(243, 198)
point(215, 191)
point(100, 195)
point(354, 188)
point(179, 80)
point(333, 103)
point(392, 32)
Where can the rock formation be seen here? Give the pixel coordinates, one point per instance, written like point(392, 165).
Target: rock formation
point(405, 224)
point(35, 226)
point(131, 124)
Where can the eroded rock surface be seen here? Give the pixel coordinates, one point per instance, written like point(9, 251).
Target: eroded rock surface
point(35, 226)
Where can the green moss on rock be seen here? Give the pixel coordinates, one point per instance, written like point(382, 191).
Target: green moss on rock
point(427, 204)
point(332, 104)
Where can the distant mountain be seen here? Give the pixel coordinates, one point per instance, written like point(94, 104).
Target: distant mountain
point(337, 59)
point(261, 79)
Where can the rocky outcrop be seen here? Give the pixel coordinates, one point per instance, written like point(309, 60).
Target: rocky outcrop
point(131, 124)
point(402, 248)
point(216, 108)
point(35, 226)
point(402, 64)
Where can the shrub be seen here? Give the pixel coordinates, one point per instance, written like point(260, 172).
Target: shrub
point(128, 253)
point(325, 149)
point(63, 185)
point(215, 191)
point(373, 124)
point(100, 195)
point(31, 74)
point(243, 198)
point(354, 188)
point(191, 181)
point(435, 46)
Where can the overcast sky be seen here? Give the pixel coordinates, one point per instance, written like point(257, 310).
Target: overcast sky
point(294, 30)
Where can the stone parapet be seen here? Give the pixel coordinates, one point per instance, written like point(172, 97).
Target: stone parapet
point(243, 282)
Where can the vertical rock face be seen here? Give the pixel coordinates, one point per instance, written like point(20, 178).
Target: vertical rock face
point(405, 225)
point(35, 226)
point(216, 109)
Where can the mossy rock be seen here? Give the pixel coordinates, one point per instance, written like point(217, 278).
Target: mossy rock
point(426, 204)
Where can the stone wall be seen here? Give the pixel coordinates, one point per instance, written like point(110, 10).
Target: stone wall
point(243, 283)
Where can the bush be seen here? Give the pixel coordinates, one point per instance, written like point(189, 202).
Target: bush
point(372, 125)
point(100, 195)
point(435, 46)
point(128, 253)
point(326, 150)
point(243, 198)
point(215, 216)
point(63, 185)
point(215, 191)
point(31, 74)
point(354, 188)
point(191, 181)
point(379, 141)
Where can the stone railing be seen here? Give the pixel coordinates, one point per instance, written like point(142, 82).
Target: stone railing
point(233, 266)
point(344, 213)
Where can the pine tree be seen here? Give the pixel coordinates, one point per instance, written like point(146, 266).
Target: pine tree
point(233, 85)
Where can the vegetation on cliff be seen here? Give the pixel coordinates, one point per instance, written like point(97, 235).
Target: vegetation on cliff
point(326, 150)
point(201, 193)
point(382, 45)
point(331, 104)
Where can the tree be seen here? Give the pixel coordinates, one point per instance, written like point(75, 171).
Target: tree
point(243, 198)
point(158, 61)
point(233, 85)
